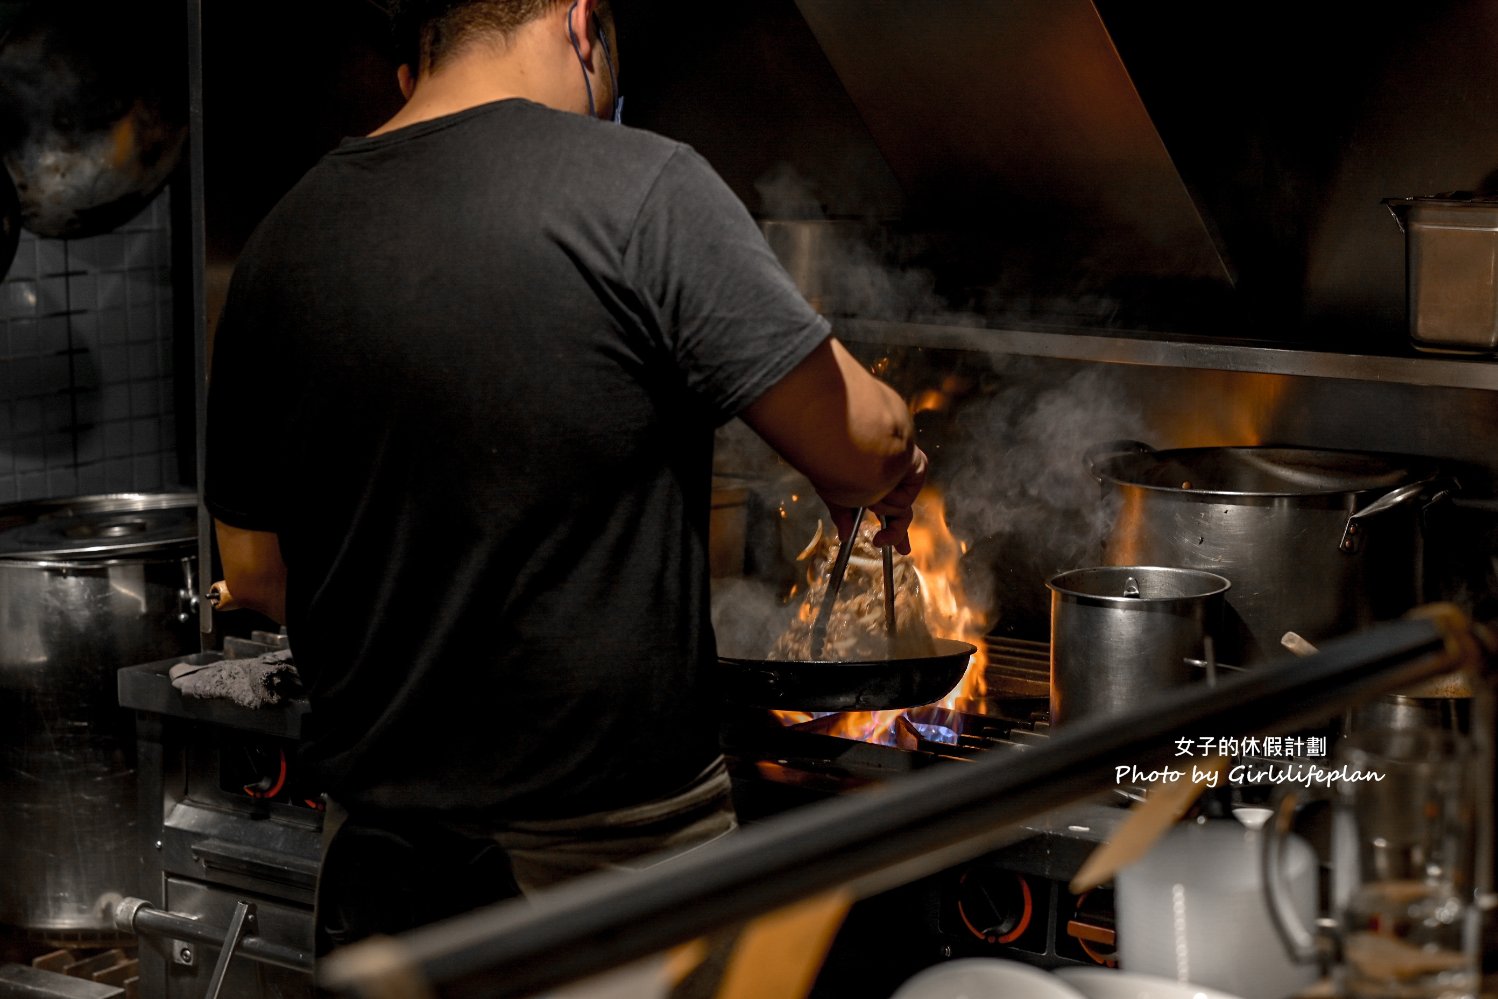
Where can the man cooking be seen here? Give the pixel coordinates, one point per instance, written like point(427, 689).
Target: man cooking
point(489, 345)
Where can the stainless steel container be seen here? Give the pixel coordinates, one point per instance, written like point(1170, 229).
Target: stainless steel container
point(1121, 634)
point(1451, 272)
point(728, 527)
point(834, 263)
point(1316, 542)
point(87, 585)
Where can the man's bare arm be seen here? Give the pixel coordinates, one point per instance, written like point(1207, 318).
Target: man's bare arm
point(849, 433)
point(253, 570)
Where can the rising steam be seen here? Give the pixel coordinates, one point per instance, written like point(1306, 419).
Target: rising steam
point(1007, 455)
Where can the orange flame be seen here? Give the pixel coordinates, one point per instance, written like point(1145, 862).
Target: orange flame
point(937, 554)
point(949, 613)
point(939, 399)
point(1256, 399)
point(929, 400)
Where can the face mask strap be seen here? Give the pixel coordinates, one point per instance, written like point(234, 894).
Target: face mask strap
point(592, 110)
point(608, 58)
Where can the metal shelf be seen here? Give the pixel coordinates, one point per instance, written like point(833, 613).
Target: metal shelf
point(1158, 350)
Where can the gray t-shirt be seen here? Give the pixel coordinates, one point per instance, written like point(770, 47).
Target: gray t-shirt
point(469, 371)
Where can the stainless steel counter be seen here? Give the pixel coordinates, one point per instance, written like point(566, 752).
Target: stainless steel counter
point(1160, 350)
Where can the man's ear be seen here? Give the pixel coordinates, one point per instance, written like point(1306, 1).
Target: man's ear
point(407, 80)
point(580, 15)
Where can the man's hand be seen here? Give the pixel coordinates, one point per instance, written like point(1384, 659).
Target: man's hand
point(849, 433)
point(897, 505)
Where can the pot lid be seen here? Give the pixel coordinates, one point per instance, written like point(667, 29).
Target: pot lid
point(98, 526)
point(1261, 471)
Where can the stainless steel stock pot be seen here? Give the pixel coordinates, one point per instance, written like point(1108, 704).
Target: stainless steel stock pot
point(1316, 542)
point(1121, 634)
point(87, 585)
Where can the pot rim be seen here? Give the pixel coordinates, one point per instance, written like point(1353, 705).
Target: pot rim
point(1218, 585)
point(25, 534)
point(163, 554)
point(1415, 469)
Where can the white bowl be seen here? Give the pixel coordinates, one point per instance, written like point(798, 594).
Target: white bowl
point(1104, 983)
point(985, 978)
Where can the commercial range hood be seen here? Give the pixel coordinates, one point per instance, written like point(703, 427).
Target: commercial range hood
point(1212, 168)
point(1015, 127)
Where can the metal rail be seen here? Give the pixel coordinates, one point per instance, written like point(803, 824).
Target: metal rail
point(892, 834)
point(135, 915)
point(197, 236)
point(1178, 351)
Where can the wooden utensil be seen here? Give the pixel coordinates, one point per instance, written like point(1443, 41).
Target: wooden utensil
point(1164, 804)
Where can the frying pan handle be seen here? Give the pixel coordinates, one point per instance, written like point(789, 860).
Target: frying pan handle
point(1111, 449)
point(1399, 208)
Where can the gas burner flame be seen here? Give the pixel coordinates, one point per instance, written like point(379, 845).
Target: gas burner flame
point(929, 723)
point(934, 733)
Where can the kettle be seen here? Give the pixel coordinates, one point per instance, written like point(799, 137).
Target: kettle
point(1193, 910)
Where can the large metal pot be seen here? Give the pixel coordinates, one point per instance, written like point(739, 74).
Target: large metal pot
point(87, 585)
point(1316, 542)
point(1122, 634)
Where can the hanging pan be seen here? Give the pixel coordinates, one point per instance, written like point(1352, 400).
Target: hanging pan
point(93, 112)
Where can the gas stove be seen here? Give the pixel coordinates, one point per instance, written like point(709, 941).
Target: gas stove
point(1013, 903)
point(231, 838)
point(228, 821)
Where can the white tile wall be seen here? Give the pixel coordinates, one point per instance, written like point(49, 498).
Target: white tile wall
point(86, 363)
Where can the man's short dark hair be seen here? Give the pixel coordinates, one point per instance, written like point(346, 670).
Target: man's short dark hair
point(427, 31)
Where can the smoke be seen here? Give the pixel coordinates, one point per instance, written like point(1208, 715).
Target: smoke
point(748, 616)
point(1017, 481)
point(840, 264)
point(1007, 456)
point(872, 269)
point(786, 193)
point(1022, 450)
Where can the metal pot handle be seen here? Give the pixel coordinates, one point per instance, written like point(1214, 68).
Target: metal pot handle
point(1399, 207)
point(1302, 943)
point(188, 600)
point(1110, 449)
point(1351, 534)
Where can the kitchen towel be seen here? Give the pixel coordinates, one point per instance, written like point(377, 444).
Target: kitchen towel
point(251, 683)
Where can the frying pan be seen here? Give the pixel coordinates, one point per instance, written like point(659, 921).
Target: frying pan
point(863, 685)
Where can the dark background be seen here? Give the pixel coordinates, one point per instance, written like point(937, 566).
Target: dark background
point(1287, 123)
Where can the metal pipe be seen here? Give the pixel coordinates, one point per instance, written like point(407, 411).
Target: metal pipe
point(137, 916)
point(197, 237)
point(902, 830)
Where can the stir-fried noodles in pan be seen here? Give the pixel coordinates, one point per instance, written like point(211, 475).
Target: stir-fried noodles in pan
point(856, 631)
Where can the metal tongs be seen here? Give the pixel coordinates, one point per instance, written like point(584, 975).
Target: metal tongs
point(835, 585)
